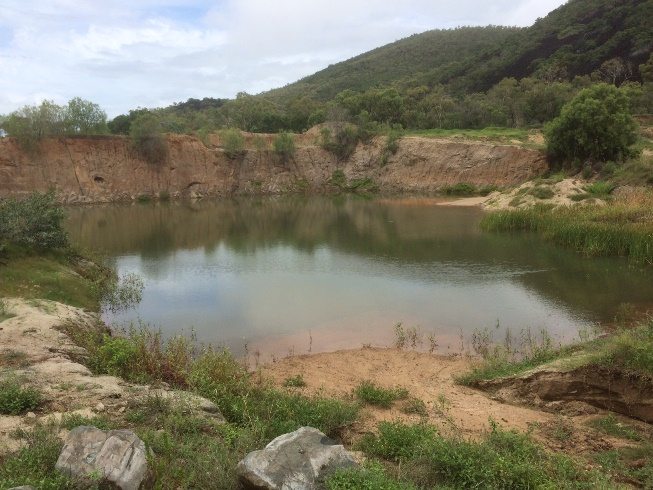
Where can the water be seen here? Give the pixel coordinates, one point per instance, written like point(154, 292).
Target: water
point(312, 274)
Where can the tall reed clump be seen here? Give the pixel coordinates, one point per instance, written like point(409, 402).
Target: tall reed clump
point(622, 229)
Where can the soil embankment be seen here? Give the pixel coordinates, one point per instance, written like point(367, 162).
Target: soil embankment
point(106, 168)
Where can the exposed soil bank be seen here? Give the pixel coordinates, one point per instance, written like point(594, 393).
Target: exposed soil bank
point(104, 169)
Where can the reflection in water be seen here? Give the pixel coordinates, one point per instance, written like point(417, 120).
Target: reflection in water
point(284, 273)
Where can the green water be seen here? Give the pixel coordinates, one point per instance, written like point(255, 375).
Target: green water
point(292, 274)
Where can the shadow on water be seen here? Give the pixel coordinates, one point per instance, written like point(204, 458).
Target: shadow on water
point(267, 270)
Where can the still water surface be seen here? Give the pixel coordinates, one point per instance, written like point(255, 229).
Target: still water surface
point(298, 274)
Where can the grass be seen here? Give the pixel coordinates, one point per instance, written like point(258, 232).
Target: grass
point(501, 459)
point(414, 406)
point(34, 464)
point(541, 192)
point(13, 359)
point(611, 426)
point(372, 476)
point(372, 394)
point(489, 134)
point(295, 382)
point(624, 228)
point(16, 398)
point(629, 349)
point(635, 463)
point(52, 276)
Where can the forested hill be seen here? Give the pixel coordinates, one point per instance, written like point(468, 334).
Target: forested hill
point(417, 55)
point(575, 39)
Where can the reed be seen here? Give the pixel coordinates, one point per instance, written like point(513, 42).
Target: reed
point(624, 228)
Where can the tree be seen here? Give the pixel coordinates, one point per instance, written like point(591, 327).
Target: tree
point(595, 125)
point(233, 142)
point(148, 138)
point(84, 117)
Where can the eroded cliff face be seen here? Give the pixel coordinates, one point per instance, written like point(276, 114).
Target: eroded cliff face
point(103, 169)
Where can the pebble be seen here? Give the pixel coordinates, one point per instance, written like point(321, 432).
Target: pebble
point(31, 415)
point(99, 407)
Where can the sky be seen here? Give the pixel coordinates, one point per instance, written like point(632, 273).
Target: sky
point(124, 54)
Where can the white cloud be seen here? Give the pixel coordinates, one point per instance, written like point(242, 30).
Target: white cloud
point(123, 54)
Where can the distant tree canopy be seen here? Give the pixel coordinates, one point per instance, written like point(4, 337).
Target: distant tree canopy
point(596, 125)
point(148, 139)
point(32, 123)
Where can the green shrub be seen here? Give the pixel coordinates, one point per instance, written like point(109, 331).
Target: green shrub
point(613, 427)
point(397, 441)
point(284, 146)
point(148, 139)
point(15, 399)
point(461, 189)
point(233, 142)
point(595, 125)
point(343, 142)
point(35, 222)
point(376, 395)
point(600, 188)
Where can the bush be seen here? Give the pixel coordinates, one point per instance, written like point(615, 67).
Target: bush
point(35, 222)
point(343, 143)
point(148, 138)
point(15, 399)
point(461, 189)
point(233, 142)
point(596, 125)
point(284, 146)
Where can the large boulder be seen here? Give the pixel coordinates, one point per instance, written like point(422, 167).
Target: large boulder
point(117, 457)
point(300, 460)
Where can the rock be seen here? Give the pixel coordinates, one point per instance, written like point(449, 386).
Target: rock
point(119, 455)
point(99, 407)
point(30, 415)
point(300, 460)
point(24, 487)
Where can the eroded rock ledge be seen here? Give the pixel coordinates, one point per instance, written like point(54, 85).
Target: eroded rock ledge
point(106, 168)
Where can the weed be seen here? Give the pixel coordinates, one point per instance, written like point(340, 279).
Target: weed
point(372, 394)
point(414, 406)
point(34, 463)
point(295, 381)
point(502, 459)
point(13, 359)
point(600, 188)
point(561, 430)
point(407, 336)
point(541, 192)
point(611, 426)
point(75, 420)
point(16, 399)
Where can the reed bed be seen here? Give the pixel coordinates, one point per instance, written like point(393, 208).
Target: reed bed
point(622, 228)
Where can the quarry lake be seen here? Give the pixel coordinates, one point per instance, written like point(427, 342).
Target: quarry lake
point(293, 274)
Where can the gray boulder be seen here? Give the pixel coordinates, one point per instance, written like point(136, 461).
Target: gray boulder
point(118, 457)
point(300, 460)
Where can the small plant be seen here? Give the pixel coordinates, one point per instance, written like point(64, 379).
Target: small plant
point(371, 476)
point(611, 426)
point(233, 143)
point(15, 399)
point(600, 188)
point(122, 292)
point(295, 382)
point(372, 394)
point(415, 406)
point(4, 311)
point(13, 359)
point(561, 430)
point(75, 420)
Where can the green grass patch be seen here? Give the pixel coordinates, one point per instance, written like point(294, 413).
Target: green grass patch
point(501, 459)
point(541, 192)
point(371, 476)
point(634, 463)
point(622, 229)
point(373, 394)
point(461, 189)
point(612, 426)
point(16, 398)
point(505, 135)
point(34, 464)
point(414, 406)
point(629, 349)
point(54, 276)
